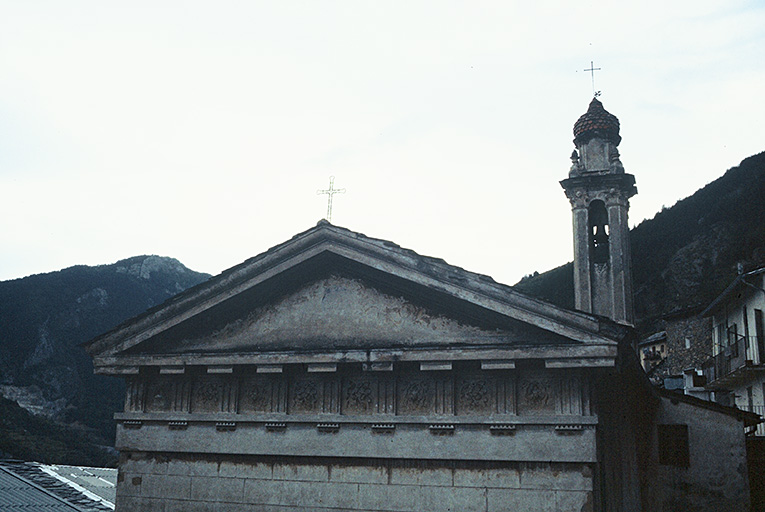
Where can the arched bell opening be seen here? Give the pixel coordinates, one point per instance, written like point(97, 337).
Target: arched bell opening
point(599, 232)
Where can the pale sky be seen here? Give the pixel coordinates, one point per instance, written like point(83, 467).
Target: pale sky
point(202, 130)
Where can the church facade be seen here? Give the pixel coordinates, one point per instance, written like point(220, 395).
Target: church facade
point(340, 372)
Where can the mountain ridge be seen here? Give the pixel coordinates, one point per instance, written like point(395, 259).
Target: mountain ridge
point(44, 318)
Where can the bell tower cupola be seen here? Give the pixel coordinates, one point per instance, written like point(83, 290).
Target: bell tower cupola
point(599, 191)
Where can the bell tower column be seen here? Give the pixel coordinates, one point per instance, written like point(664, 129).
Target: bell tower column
point(599, 192)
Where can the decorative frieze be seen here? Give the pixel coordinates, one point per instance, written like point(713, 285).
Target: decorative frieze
point(407, 393)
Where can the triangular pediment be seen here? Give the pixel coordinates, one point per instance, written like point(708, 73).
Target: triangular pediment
point(340, 312)
point(330, 289)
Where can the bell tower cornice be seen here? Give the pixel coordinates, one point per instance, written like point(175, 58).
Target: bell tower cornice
point(610, 188)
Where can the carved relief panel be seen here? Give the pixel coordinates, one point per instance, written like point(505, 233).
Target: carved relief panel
point(485, 394)
point(416, 396)
point(263, 395)
point(304, 396)
point(159, 395)
point(313, 396)
point(475, 395)
point(360, 395)
point(207, 395)
point(166, 394)
point(537, 395)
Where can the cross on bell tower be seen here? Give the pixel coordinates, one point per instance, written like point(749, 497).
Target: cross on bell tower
point(592, 71)
point(599, 192)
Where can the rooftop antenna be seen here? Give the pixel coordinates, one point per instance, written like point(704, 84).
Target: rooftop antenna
point(592, 71)
point(330, 192)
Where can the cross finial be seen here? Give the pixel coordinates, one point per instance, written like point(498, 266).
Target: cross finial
point(592, 71)
point(330, 192)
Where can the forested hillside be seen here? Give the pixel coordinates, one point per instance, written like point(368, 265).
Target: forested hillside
point(686, 254)
point(43, 320)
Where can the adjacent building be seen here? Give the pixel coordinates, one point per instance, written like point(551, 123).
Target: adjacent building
point(736, 371)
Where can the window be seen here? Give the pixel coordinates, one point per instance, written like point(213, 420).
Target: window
point(720, 337)
point(673, 445)
point(733, 340)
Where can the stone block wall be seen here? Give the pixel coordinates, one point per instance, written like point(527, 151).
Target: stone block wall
point(172, 482)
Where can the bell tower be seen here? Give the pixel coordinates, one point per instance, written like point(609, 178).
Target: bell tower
point(599, 192)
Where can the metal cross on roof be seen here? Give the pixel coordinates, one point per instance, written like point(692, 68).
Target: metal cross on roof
point(330, 192)
point(592, 71)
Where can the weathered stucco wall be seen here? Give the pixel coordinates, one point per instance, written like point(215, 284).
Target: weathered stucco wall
point(716, 477)
point(170, 482)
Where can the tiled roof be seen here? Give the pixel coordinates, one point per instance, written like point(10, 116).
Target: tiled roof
point(97, 484)
point(31, 486)
point(597, 122)
point(654, 338)
point(17, 493)
point(741, 280)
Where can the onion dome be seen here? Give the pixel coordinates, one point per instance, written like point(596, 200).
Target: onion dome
point(596, 122)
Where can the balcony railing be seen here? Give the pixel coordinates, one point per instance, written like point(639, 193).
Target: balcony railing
point(758, 430)
point(731, 359)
